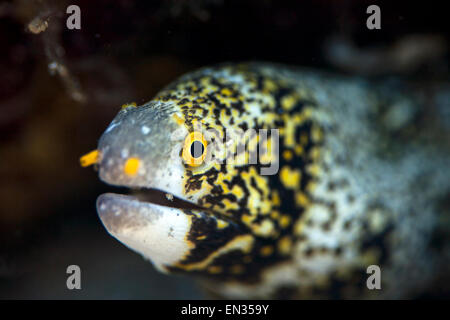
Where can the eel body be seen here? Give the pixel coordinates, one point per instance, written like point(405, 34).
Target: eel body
point(347, 175)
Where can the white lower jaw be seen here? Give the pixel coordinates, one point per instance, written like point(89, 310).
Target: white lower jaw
point(157, 232)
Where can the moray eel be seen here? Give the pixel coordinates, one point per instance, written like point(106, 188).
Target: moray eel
point(347, 180)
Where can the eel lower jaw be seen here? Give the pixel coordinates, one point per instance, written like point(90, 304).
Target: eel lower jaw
point(150, 223)
point(159, 233)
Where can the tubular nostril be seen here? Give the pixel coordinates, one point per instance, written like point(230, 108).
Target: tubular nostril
point(90, 158)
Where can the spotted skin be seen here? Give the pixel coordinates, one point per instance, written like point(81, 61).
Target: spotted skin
point(336, 205)
point(241, 193)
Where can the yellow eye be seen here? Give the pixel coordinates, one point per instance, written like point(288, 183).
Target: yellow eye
point(194, 150)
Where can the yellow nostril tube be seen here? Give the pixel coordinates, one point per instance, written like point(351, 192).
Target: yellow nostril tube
point(128, 105)
point(131, 166)
point(90, 158)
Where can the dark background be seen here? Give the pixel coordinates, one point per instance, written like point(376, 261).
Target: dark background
point(125, 52)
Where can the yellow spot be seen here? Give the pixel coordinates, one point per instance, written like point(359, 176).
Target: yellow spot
point(298, 227)
point(248, 219)
point(314, 170)
point(285, 220)
point(215, 269)
point(371, 256)
point(237, 191)
point(301, 199)
point(316, 134)
point(315, 153)
point(243, 243)
point(178, 119)
point(265, 229)
point(290, 178)
point(131, 166)
point(237, 269)
point(266, 251)
point(229, 205)
point(289, 138)
point(226, 92)
point(307, 112)
point(201, 237)
point(128, 105)
point(287, 155)
point(298, 149)
point(304, 139)
point(276, 198)
point(275, 214)
point(269, 85)
point(311, 186)
point(265, 206)
point(288, 102)
point(222, 224)
point(90, 158)
point(285, 245)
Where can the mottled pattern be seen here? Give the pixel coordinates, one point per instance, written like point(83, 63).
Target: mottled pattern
point(357, 185)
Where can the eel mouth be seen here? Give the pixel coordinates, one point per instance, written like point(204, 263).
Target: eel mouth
point(147, 197)
point(143, 203)
point(142, 198)
point(163, 198)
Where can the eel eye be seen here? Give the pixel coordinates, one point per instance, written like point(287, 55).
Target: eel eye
point(194, 150)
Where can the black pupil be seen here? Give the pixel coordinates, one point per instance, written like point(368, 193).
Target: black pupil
point(197, 149)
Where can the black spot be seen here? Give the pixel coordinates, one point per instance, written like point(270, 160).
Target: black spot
point(326, 226)
point(285, 293)
point(378, 241)
point(331, 186)
point(183, 101)
point(243, 126)
point(309, 252)
point(347, 225)
point(351, 198)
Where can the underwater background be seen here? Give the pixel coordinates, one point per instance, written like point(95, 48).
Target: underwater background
point(60, 88)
